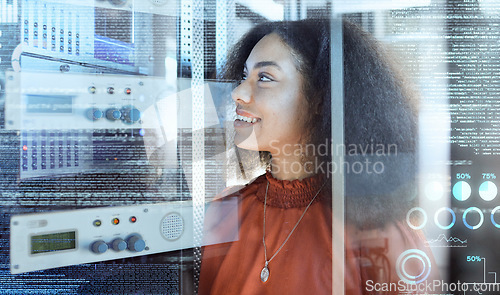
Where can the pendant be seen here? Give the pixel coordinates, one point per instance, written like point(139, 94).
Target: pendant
point(264, 274)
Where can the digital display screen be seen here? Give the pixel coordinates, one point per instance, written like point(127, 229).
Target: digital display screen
point(45, 104)
point(53, 242)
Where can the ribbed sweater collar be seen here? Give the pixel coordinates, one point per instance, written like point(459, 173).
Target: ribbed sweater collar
point(289, 193)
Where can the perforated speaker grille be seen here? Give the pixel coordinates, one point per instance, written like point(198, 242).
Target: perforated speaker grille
point(172, 226)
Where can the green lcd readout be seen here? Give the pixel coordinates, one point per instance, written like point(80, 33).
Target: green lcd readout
point(53, 242)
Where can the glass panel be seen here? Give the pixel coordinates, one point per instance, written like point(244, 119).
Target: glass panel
point(387, 101)
point(424, 219)
point(249, 147)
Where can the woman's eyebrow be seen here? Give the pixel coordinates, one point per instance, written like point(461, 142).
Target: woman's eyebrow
point(262, 64)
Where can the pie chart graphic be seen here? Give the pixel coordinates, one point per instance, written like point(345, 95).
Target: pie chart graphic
point(488, 190)
point(461, 190)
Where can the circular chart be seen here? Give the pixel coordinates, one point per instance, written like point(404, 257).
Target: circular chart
point(423, 220)
point(453, 216)
point(434, 190)
point(488, 190)
point(413, 266)
point(492, 217)
point(481, 217)
point(461, 190)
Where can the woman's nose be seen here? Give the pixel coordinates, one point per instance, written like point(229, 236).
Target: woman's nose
point(242, 93)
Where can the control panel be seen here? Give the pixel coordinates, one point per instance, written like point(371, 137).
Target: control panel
point(58, 29)
point(55, 239)
point(88, 35)
point(80, 101)
point(46, 151)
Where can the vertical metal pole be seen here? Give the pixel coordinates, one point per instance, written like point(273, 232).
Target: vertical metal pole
point(186, 32)
point(224, 36)
point(231, 22)
point(198, 127)
point(337, 107)
point(221, 36)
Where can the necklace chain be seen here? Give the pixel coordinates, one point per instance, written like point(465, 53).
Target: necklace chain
point(291, 232)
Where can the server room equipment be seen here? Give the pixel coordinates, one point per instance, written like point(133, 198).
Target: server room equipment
point(61, 238)
point(91, 36)
point(72, 123)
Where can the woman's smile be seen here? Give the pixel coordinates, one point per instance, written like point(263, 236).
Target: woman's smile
point(245, 119)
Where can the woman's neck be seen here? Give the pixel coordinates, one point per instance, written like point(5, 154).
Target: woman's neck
point(292, 167)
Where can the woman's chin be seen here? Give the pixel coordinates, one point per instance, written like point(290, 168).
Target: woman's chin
point(246, 143)
point(247, 146)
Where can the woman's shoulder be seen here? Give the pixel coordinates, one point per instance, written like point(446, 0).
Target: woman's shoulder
point(224, 213)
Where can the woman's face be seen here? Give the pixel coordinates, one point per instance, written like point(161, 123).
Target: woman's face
point(270, 104)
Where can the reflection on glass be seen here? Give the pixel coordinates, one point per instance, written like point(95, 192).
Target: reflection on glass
point(101, 107)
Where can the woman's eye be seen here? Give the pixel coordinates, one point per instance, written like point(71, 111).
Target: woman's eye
point(264, 78)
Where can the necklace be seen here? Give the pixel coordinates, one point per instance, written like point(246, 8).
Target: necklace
point(264, 274)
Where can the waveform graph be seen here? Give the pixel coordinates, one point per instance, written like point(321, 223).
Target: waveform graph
point(446, 242)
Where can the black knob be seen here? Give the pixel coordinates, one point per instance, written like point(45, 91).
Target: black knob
point(130, 115)
point(136, 243)
point(99, 247)
point(113, 114)
point(118, 244)
point(94, 114)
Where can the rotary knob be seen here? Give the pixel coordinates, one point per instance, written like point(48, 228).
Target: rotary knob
point(99, 247)
point(118, 244)
point(130, 115)
point(94, 114)
point(136, 243)
point(113, 114)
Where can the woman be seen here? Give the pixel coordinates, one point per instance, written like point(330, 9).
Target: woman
point(283, 110)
